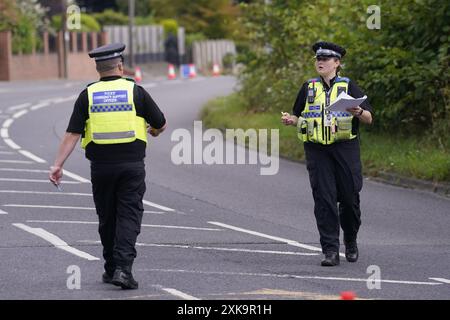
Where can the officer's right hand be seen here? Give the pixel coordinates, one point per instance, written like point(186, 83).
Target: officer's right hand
point(55, 175)
point(286, 119)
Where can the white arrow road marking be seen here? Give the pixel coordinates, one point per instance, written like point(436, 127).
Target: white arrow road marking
point(55, 240)
point(441, 280)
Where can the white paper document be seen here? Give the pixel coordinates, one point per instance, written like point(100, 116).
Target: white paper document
point(344, 102)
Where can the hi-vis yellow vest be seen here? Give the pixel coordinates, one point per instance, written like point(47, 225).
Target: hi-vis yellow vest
point(317, 124)
point(112, 114)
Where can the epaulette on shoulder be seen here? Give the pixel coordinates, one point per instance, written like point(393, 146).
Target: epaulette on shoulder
point(342, 79)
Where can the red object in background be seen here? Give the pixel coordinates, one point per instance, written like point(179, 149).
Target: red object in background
point(137, 75)
point(348, 295)
point(216, 70)
point(192, 71)
point(171, 72)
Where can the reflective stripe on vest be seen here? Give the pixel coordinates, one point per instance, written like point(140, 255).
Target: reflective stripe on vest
point(312, 125)
point(112, 114)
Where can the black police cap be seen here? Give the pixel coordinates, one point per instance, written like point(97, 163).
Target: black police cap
point(107, 52)
point(328, 49)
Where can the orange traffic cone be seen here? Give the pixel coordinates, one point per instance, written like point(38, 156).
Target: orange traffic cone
point(348, 295)
point(192, 71)
point(137, 75)
point(216, 70)
point(171, 72)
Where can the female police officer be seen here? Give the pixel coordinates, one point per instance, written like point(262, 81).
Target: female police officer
point(332, 151)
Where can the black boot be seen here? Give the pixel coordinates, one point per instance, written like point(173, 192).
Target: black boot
point(123, 278)
point(331, 259)
point(106, 277)
point(351, 251)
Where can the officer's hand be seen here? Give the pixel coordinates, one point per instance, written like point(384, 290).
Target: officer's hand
point(154, 132)
point(356, 111)
point(286, 119)
point(55, 175)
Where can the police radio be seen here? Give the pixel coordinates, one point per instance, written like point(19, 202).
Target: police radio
point(311, 93)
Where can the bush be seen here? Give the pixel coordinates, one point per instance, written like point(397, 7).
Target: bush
point(110, 17)
point(170, 26)
point(403, 67)
point(88, 23)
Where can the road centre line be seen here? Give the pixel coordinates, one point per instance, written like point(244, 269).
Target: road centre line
point(19, 114)
point(263, 235)
point(19, 106)
point(181, 246)
point(143, 225)
point(290, 276)
point(39, 106)
point(55, 240)
point(35, 180)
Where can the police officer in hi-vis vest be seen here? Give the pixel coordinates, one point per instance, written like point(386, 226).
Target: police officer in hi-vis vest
point(332, 153)
point(112, 116)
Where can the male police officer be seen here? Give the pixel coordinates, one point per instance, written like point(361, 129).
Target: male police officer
point(332, 151)
point(111, 116)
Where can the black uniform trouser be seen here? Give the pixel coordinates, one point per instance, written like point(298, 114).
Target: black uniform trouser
point(335, 176)
point(118, 190)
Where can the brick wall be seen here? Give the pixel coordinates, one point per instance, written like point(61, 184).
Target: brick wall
point(50, 65)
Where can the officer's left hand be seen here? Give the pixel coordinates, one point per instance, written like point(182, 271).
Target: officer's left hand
point(356, 111)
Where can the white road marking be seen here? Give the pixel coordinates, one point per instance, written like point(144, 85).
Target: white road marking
point(3, 212)
point(263, 235)
point(158, 206)
point(32, 156)
point(75, 176)
point(289, 276)
point(11, 143)
point(19, 106)
point(178, 293)
point(33, 180)
point(19, 114)
point(44, 206)
point(7, 123)
point(4, 133)
point(39, 105)
point(441, 280)
point(69, 98)
point(6, 152)
point(143, 225)
point(55, 240)
point(180, 246)
point(17, 161)
point(225, 249)
point(73, 193)
point(22, 170)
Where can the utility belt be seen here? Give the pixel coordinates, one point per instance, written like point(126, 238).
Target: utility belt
point(325, 127)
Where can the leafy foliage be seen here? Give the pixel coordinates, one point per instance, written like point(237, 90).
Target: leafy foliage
point(402, 67)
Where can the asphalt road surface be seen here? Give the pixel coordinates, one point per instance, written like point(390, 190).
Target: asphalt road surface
point(209, 231)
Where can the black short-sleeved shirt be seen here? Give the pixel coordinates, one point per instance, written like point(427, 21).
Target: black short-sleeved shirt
point(122, 152)
point(353, 90)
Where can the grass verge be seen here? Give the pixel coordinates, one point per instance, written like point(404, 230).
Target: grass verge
point(412, 157)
